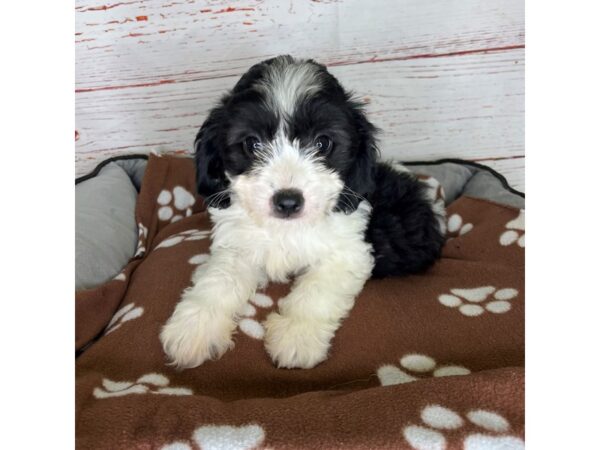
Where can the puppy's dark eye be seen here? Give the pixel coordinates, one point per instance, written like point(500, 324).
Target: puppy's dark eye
point(252, 144)
point(323, 143)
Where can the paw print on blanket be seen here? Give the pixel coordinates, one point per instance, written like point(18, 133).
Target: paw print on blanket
point(490, 430)
point(456, 227)
point(120, 277)
point(199, 259)
point(416, 363)
point(474, 302)
point(153, 383)
point(187, 235)
point(247, 324)
point(175, 204)
point(125, 314)
point(515, 231)
point(142, 236)
point(221, 437)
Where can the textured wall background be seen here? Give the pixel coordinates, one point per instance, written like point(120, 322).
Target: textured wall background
point(442, 78)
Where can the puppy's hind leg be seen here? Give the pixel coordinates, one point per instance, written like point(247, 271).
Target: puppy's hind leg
point(204, 319)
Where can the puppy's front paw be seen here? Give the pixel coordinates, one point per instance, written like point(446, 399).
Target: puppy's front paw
point(296, 343)
point(194, 334)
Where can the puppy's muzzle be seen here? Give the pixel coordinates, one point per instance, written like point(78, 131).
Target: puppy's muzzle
point(287, 203)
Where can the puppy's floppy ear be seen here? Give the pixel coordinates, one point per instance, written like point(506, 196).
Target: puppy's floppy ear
point(210, 172)
point(360, 179)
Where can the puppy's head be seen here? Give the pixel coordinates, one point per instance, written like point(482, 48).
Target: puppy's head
point(287, 143)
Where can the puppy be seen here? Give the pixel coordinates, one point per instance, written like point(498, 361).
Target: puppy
point(287, 163)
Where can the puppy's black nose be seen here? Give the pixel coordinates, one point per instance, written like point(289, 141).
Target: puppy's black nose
point(287, 202)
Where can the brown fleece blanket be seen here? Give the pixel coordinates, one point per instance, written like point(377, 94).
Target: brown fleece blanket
point(430, 361)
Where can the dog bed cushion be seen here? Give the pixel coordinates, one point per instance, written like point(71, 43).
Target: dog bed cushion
point(105, 229)
point(433, 360)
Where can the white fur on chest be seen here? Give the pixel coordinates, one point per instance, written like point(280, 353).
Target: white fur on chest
point(280, 248)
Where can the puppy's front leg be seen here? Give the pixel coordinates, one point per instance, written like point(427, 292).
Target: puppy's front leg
point(300, 334)
point(204, 319)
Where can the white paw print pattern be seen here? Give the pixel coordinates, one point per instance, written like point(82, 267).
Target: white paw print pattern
point(419, 364)
point(247, 324)
point(151, 383)
point(474, 302)
point(199, 259)
point(125, 314)
point(438, 419)
point(142, 235)
point(222, 437)
point(515, 231)
point(120, 277)
point(175, 205)
point(456, 226)
point(187, 235)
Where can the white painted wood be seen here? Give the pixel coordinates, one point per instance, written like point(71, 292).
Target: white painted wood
point(141, 42)
point(443, 78)
point(469, 106)
point(513, 170)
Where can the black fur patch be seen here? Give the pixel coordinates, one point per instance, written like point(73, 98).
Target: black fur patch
point(403, 229)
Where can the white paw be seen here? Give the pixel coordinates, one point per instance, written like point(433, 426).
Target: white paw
point(296, 343)
point(195, 334)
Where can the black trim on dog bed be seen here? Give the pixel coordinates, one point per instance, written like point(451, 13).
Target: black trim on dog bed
point(464, 162)
point(100, 166)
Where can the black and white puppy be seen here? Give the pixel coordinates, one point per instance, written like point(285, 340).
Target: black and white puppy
point(288, 165)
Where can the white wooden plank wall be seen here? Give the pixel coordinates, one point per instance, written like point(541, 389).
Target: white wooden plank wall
point(442, 78)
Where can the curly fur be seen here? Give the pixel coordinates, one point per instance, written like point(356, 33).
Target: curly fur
point(288, 126)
